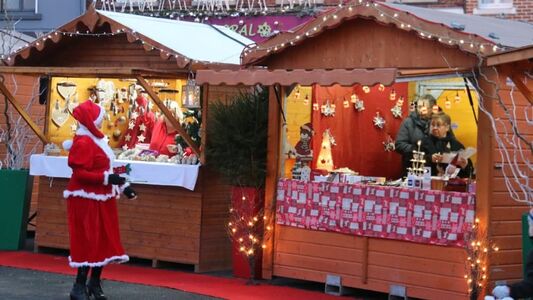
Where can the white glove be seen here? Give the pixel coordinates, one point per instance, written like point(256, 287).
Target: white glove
point(501, 291)
point(489, 298)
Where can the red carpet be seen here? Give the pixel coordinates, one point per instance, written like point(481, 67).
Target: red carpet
point(227, 288)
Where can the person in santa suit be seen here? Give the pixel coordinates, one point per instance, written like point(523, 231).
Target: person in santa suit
point(164, 136)
point(141, 123)
point(91, 203)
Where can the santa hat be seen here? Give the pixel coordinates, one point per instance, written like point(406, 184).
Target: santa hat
point(307, 127)
point(89, 114)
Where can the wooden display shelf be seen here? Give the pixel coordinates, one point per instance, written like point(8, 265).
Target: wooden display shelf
point(163, 224)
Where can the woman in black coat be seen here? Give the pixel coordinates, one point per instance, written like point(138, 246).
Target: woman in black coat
point(441, 140)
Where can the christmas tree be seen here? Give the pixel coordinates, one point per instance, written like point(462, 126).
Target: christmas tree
point(325, 160)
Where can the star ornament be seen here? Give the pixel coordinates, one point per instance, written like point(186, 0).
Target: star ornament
point(396, 111)
point(379, 122)
point(127, 138)
point(359, 105)
point(142, 127)
point(125, 147)
point(141, 138)
point(131, 125)
point(134, 115)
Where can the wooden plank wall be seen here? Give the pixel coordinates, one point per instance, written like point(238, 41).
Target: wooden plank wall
point(164, 223)
point(24, 88)
point(428, 271)
point(505, 213)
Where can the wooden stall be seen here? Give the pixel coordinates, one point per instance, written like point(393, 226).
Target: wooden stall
point(183, 223)
point(338, 47)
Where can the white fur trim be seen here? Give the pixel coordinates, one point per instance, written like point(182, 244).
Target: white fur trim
point(91, 195)
point(114, 259)
point(103, 143)
point(106, 177)
point(67, 144)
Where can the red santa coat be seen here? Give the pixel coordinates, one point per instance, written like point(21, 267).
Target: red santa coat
point(91, 204)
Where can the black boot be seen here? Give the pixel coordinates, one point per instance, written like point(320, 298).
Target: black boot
point(94, 286)
point(79, 290)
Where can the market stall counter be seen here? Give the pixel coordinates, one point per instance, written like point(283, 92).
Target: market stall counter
point(171, 220)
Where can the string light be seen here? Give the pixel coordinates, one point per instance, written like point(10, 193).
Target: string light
point(398, 18)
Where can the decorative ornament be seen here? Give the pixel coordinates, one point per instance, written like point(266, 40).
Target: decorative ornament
point(378, 120)
point(74, 127)
point(435, 109)
point(131, 125)
point(306, 100)
point(388, 144)
point(325, 159)
point(127, 137)
point(134, 115)
point(396, 111)
point(59, 115)
point(140, 138)
point(346, 103)
point(264, 30)
point(142, 127)
point(125, 147)
point(354, 98)
point(392, 95)
point(366, 89)
point(328, 109)
point(457, 98)
point(447, 103)
point(315, 106)
point(381, 87)
point(359, 105)
point(116, 134)
point(72, 103)
point(297, 94)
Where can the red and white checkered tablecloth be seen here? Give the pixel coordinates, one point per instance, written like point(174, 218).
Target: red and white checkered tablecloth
point(430, 217)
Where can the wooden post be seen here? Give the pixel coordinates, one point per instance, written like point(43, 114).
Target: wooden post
point(522, 87)
point(22, 112)
point(272, 174)
point(169, 115)
point(203, 126)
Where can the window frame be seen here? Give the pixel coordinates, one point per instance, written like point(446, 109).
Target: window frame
point(21, 13)
point(495, 4)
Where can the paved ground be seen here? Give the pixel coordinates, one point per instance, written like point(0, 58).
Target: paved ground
point(21, 284)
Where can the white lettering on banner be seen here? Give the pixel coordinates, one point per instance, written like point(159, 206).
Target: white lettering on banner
point(248, 30)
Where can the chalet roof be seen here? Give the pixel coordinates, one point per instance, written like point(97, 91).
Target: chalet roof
point(197, 41)
point(473, 34)
point(186, 42)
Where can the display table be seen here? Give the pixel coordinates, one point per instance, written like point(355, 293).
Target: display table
point(142, 172)
point(373, 237)
point(179, 215)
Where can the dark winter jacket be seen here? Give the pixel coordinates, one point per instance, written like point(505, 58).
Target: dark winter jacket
point(432, 144)
point(524, 288)
point(412, 130)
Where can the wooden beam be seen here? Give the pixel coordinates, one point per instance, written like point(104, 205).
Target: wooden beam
point(22, 112)
point(271, 182)
point(169, 115)
point(510, 56)
point(112, 72)
point(203, 126)
point(522, 87)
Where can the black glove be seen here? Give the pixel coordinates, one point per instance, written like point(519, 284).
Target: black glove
point(115, 179)
point(130, 193)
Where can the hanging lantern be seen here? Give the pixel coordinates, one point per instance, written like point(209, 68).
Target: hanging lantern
point(381, 87)
point(346, 103)
point(354, 98)
point(191, 94)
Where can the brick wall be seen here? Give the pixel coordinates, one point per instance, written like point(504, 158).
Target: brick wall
point(523, 8)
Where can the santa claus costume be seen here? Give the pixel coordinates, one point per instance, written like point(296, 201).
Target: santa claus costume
point(91, 202)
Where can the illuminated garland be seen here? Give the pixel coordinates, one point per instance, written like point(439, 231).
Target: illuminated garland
point(382, 16)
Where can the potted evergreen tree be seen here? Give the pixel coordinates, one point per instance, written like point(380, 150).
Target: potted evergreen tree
point(236, 148)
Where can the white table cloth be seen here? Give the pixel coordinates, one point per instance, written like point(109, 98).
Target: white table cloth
point(142, 172)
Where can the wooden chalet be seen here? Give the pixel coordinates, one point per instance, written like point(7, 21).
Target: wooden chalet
point(366, 43)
